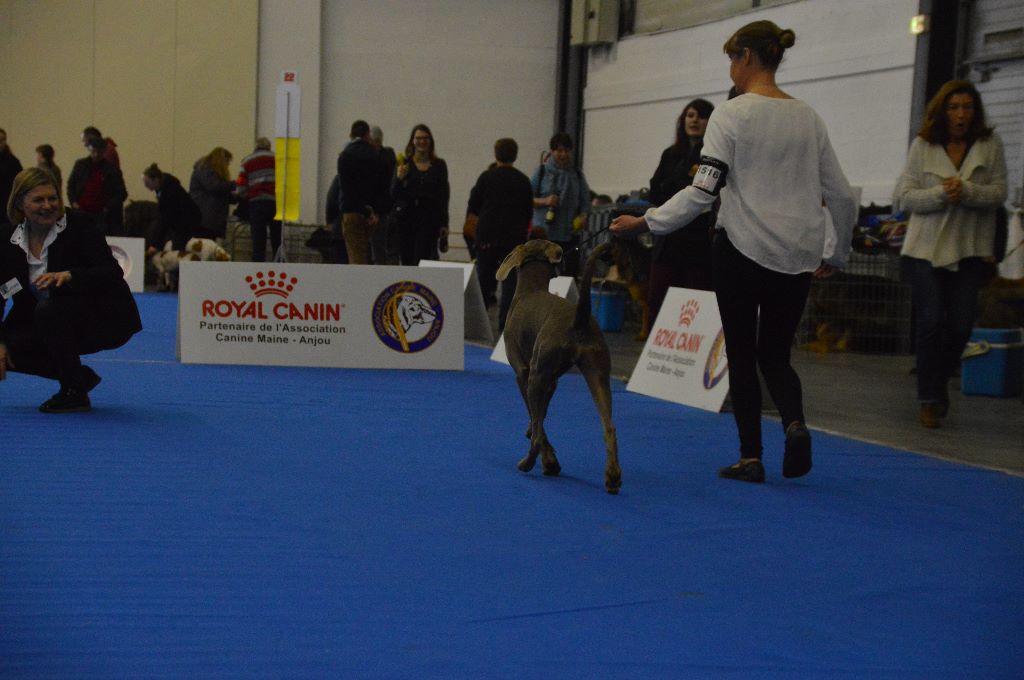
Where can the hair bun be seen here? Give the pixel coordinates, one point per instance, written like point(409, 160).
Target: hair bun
point(787, 38)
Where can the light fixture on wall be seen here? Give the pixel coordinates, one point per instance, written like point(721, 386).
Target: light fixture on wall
point(918, 24)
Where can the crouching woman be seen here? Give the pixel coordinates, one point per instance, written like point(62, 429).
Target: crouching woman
point(68, 293)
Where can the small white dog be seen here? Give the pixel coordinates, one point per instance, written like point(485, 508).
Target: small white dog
point(167, 261)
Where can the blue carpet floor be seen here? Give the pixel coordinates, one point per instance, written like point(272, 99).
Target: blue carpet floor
point(221, 521)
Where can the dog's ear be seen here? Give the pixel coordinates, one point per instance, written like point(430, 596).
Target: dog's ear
point(511, 261)
point(553, 251)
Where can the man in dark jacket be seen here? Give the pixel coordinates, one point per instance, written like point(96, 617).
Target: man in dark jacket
point(96, 187)
point(364, 181)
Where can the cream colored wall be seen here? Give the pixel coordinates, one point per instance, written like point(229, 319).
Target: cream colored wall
point(167, 79)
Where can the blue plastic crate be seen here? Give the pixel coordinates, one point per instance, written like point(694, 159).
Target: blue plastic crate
point(608, 305)
point(993, 363)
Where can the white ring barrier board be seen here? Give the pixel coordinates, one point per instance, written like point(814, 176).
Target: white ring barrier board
point(478, 325)
point(684, 359)
point(130, 253)
point(290, 314)
point(563, 287)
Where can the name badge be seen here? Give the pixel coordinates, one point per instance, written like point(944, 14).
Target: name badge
point(10, 289)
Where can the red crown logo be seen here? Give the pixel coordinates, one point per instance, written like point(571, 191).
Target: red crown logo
point(271, 283)
point(688, 312)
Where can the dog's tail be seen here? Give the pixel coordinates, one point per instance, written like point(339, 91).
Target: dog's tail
point(582, 320)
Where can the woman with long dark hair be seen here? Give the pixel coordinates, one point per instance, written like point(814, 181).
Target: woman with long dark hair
point(683, 258)
point(421, 193)
point(954, 181)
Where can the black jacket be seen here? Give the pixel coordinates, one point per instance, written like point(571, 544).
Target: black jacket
point(82, 250)
point(363, 177)
point(114, 191)
point(503, 200)
point(179, 216)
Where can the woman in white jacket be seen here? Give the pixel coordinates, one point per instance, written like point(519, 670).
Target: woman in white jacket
point(954, 180)
point(769, 157)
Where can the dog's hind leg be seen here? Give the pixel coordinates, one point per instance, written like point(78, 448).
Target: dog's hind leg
point(539, 393)
point(596, 371)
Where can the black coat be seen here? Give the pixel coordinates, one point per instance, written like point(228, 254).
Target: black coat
point(179, 216)
point(364, 179)
point(95, 275)
point(114, 191)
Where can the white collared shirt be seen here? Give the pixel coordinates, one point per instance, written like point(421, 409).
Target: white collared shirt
point(37, 266)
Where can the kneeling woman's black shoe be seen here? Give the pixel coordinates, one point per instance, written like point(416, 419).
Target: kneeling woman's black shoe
point(68, 400)
point(744, 471)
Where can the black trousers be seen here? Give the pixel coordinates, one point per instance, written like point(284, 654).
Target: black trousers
point(63, 329)
point(261, 219)
point(488, 260)
point(760, 311)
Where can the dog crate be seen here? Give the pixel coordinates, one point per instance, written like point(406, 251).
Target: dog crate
point(294, 237)
point(864, 308)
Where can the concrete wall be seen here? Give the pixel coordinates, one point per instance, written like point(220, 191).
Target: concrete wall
point(168, 80)
point(853, 62)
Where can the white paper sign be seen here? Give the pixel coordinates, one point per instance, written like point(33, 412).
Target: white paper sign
point(563, 287)
point(288, 108)
point(130, 253)
point(684, 359)
point(289, 314)
point(478, 324)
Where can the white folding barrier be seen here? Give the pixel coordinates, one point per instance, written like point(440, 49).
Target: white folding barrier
point(290, 314)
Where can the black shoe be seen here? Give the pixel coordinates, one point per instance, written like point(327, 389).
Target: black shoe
point(68, 400)
point(797, 460)
point(744, 471)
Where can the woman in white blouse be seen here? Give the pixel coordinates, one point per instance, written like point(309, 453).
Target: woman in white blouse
point(954, 180)
point(769, 158)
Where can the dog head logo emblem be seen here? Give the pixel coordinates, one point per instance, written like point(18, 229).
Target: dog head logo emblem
point(717, 365)
point(123, 259)
point(689, 312)
point(407, 317)
point(271, 283)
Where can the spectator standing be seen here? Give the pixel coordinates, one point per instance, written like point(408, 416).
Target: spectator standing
point(10, 166)
point(501, 202)
point(109, 151)
point(256, 181)
point(96, 186)
point(683, 258)
point(363, 197)
point(561, 200)
point(212, 189)
point(384, 248)
point(421, 193)
point(44, 160)
point(954, 181)
point(770, 158)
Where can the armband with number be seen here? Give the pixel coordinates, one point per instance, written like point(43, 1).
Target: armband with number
point(710, 177)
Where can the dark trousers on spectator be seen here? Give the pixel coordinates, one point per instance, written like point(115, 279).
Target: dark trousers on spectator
point(945, 305)
point(488, 259)
point(64, 328)
point(261, 219)
point(760, 311)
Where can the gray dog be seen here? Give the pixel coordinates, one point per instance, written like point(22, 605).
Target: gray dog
point(544, 337)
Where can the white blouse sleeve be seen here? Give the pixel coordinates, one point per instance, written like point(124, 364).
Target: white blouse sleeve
point(686, 205)
point(840, 202)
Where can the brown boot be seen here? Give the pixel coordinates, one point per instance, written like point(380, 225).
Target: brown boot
point(930, 416)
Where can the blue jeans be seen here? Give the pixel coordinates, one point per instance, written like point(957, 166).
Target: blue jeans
point(945, 304)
